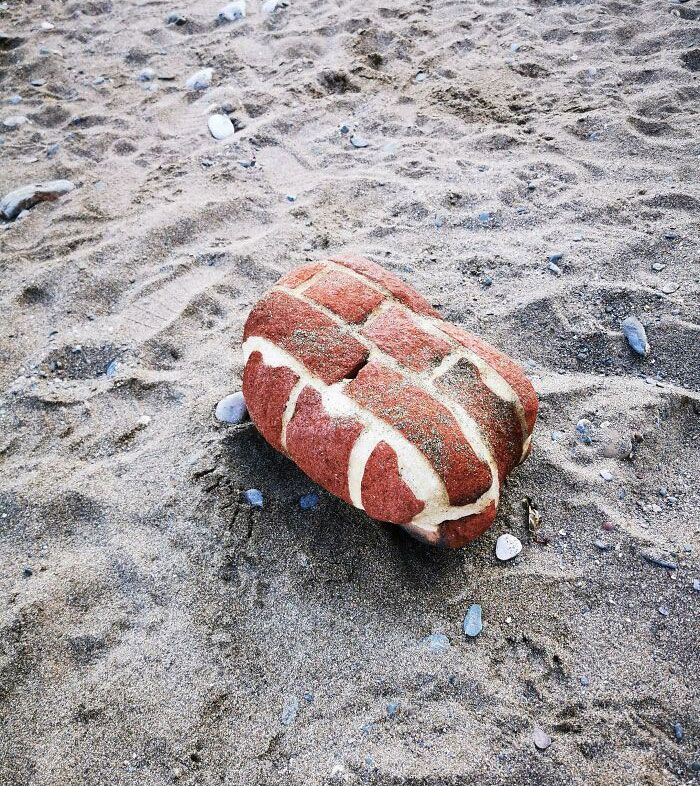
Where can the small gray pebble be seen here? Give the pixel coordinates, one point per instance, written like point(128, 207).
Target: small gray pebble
point(541, 739)
point(678, 731)
point(636, 335)
point(472, 625)
point(358, 141)
point(231, 409)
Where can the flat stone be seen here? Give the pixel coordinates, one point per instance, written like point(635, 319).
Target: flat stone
point(26, 197)
point(636, 335)
point(201, 80)
point(220, 126)
point(507, 547)
point(541, 739)
point(231, 409)
point(358, 141)
point(607, 476)
point(15, 121)
point(437, 642)
point(309, 501)
point(472, 625)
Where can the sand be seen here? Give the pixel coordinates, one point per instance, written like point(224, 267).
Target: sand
point(155, 628)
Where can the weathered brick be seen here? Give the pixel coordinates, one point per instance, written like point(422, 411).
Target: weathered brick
point(267, 411)
point(345, 296)
point(510, 371)
point(455, 534)
point(321, 444)
point(395, 333)
point(400, 290)
point(428, 425)
point(497, 419)
point(385, 496)
point(299, 275)
point(313, 338)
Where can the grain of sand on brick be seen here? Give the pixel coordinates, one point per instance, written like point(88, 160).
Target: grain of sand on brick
point(154, 628)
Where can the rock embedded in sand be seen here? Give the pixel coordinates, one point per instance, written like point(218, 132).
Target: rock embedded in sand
point(231, 409)
point(270, 6)
point(309, 501)
point(220, 126)
point(507, 547)
point(437, 642)
point(15, 121)
point(472, 625)
point(233, 11)
point(541, 739)
point(636, 335)
point(254, 497)
point(201, 80)
point(353, 375)
point(358, 141)
point(26, 197)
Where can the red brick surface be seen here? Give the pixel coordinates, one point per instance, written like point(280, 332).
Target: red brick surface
point(384, 494)
point(299, 275)
point(345, 295)
point(401, 291)
point(428, 425)
point(266, 411)
point(510, 371)
point(498, 419)
point(326, 349)
point(398, 335)
point(320, 445)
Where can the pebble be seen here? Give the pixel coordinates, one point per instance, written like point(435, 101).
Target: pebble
point(358, 141)
point(52, 150)
point(111, 369)
point(437, 642)
point(289, 711)
point(291, 198)
point(143, 421)
point(270, 6)
point(583, 431)
point(584, 681)
point(602, 545)
point(541, 739)
point(344, 129)
point(670, 288)
point(696, 585)
point(421, 76)
point(231, 409)
point(485, 217)
point(146, 75)
point(636, 335)
point(15, 121)
point(557, 435)
point(309, 501)
point(254, 497)
point(658, 267)
point(232, 12)
point(554, 268)
point(37, 82)
point(27, 572)
point(220, 126)
point(557, 256)
point(607, 476)
point(678, 731)
point(25, 197)
point(472, 621)
point(663, 611)
point(507, 547)
point(201, 80)
point(392, 708)
point(14, 100)
point(660, 563)
point(175, 19)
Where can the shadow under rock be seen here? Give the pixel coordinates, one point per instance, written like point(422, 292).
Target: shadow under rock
point(335, 532)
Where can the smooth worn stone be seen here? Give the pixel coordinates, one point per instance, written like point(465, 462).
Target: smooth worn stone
point(663, 611)
point(472, 624)
point(289, 711)
point(437, 642)
point(231, 409)
point(584, 431)
point(254, 497)
point(233, 11)
point(309, 501)
point(696, 585)
point(146, 75)
point(606, 475)
point(176, 19)
point(25, 197)
point(392, 437)
point(358, 141)
point(554, 268)
point(636, 335)
point(220, 126)
point(678, 732)
point(670, 288)
point(15, 99)
point(658, 267)
point(541, 739)
point(270, 6)
point(507, 547)
point(15, 121)
point(557, 256)
point(201, 80)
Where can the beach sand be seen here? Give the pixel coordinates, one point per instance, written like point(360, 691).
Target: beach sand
point(156, 629)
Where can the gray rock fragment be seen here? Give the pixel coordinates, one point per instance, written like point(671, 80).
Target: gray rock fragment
point(27, 196)
point(636, 335)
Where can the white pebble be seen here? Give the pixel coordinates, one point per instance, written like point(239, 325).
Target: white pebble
point(233, 11)
point(220, 126)
point(507, 547)
point(201, 80)
point(231, 409)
